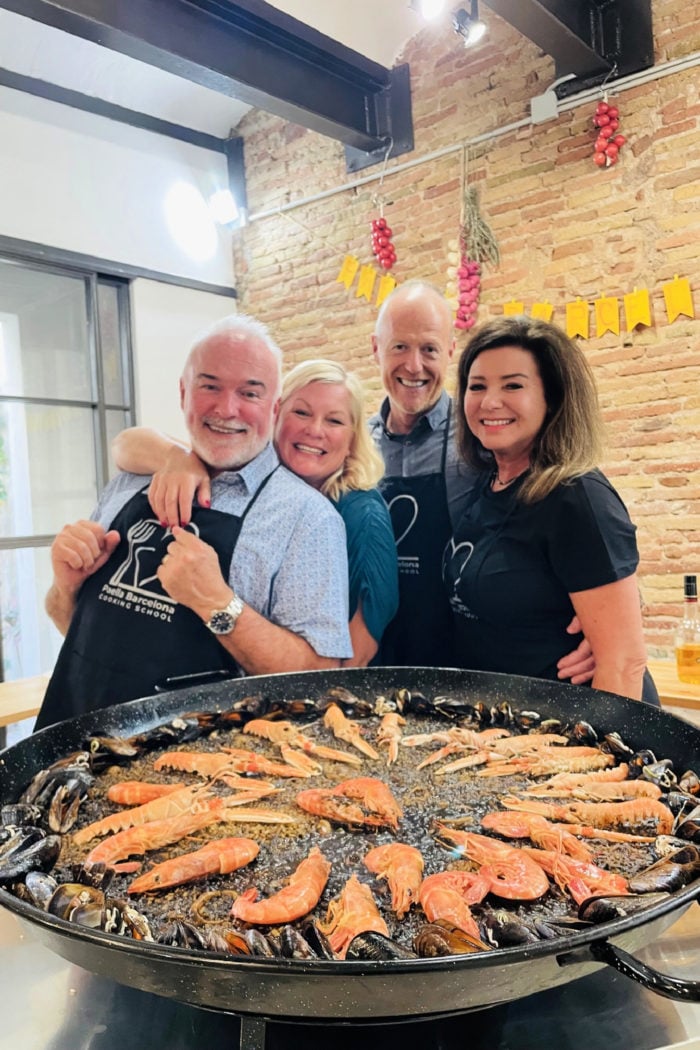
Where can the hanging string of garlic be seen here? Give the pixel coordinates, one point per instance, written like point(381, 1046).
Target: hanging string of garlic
point(476, 238)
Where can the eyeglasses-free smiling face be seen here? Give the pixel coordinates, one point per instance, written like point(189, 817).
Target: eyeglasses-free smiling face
point(413, 345)
point(229, 396)
point(504, 403)
point(315, 431)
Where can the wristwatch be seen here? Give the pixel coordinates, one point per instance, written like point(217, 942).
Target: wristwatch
point(224, 620)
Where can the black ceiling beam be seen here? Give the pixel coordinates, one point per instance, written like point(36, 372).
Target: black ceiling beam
point(247, 50)
point(593, 39)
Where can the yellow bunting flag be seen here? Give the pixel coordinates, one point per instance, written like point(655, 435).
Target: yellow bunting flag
point(542, 311)
point(365, 285)
point(512, 308)
point(679, 299)
point(577, 319)
point(348, 270)
point(607, 316)
point(637, 308)
point(386, 285)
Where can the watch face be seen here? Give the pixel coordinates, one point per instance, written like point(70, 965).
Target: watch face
point(222, 622)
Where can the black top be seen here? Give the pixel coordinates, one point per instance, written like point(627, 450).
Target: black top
point(511, 566)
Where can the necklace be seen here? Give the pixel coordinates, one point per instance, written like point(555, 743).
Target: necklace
point(496, 481)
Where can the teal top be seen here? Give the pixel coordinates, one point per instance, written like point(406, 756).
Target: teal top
point(372, 564)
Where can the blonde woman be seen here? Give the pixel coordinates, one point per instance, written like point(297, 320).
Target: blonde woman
point(321, 436)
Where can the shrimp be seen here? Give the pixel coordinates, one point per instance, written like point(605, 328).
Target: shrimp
point(296, 899)
point(157, 833)
point(607, 814)
point(582, 880)
point(543, 833)
point(136, 792)
point(402, 867)
point(517, 745)
point(233, 760)
point(362, 800)
point(447, 896)
point(287, 733)
point(176, 804)
point(218, 857)
point(511, 873)
point(478, 758)
point(344, 728)
point(389, 734)
point(565, 781)
point(353, 912)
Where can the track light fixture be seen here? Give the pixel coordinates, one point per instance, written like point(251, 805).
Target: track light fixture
point(468, 24)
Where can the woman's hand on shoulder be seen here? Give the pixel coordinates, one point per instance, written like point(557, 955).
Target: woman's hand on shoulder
point(174, 488)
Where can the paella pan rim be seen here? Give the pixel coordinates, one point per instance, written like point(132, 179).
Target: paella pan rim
point(114, 956)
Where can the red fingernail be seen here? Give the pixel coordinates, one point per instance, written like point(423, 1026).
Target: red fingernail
point(164, 524)
point(184, 524)
point(206, 503)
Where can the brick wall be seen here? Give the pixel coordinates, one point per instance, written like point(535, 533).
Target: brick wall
point(565, 229)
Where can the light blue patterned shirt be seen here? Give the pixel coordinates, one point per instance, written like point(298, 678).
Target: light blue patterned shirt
point(290, 561)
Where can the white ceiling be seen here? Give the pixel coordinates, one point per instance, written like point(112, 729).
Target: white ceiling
point(378, 29)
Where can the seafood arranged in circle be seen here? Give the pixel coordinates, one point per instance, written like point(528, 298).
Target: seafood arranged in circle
point(461, 829)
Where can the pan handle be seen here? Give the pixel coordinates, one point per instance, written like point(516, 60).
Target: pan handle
point(662, 984)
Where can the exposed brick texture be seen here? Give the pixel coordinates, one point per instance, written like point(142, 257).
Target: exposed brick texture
point(565, 229)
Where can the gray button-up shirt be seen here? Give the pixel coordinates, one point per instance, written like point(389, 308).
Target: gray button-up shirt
point(290, 561)
point(420, 451)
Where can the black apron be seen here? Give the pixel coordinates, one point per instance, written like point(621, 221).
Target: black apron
point(421, 633)
point(127, 638)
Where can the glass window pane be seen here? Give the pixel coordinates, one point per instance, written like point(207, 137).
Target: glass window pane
point(30, 642)
point(44, 347)
point(47, 468)
point(115, 422)
point(108, 311)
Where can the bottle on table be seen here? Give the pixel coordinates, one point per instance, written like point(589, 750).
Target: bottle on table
point(688, 634)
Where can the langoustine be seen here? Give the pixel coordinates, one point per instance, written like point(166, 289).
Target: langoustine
point(356, 802)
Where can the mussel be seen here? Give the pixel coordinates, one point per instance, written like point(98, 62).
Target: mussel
point(436, 939)
point(26, 849)
point(605, 909)
point(375, 946)
point(504, 930)
point(670, 873)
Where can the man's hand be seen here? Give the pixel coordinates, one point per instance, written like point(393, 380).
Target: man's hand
point(176, 485)
point(78, 551)
point(191, 574)
point(579, 665)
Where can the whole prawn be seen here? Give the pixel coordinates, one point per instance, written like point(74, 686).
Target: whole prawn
point(296, 899)
point(218, 857)
point(582, 880)
point(353, 912)
point(447, 895)
point(358, 801)
point(344, 728)
point(389, 735)
point(600, 814)
point(144, 837)
point(539, 830)
point(402, 867)
point(511, 873)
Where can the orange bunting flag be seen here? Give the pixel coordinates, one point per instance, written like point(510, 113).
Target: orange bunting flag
point(512, 308)
point(365, 285)
point(679, 299)
point(577, 319)
point(348, 270)
point(637, 309)
point(607, 316)
point(542, 311)
point(386, 286)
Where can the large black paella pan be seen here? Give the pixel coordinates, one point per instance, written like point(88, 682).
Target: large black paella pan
point(367, 989)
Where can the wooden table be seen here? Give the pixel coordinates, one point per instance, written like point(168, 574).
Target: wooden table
point(21, 699)
point(672, 691)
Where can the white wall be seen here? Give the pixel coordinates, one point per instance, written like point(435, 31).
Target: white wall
point(86, 184)
point(166, 321)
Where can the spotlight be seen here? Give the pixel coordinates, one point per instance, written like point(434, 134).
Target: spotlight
point(428, 9)
point(468, 24)
point(223, 207)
